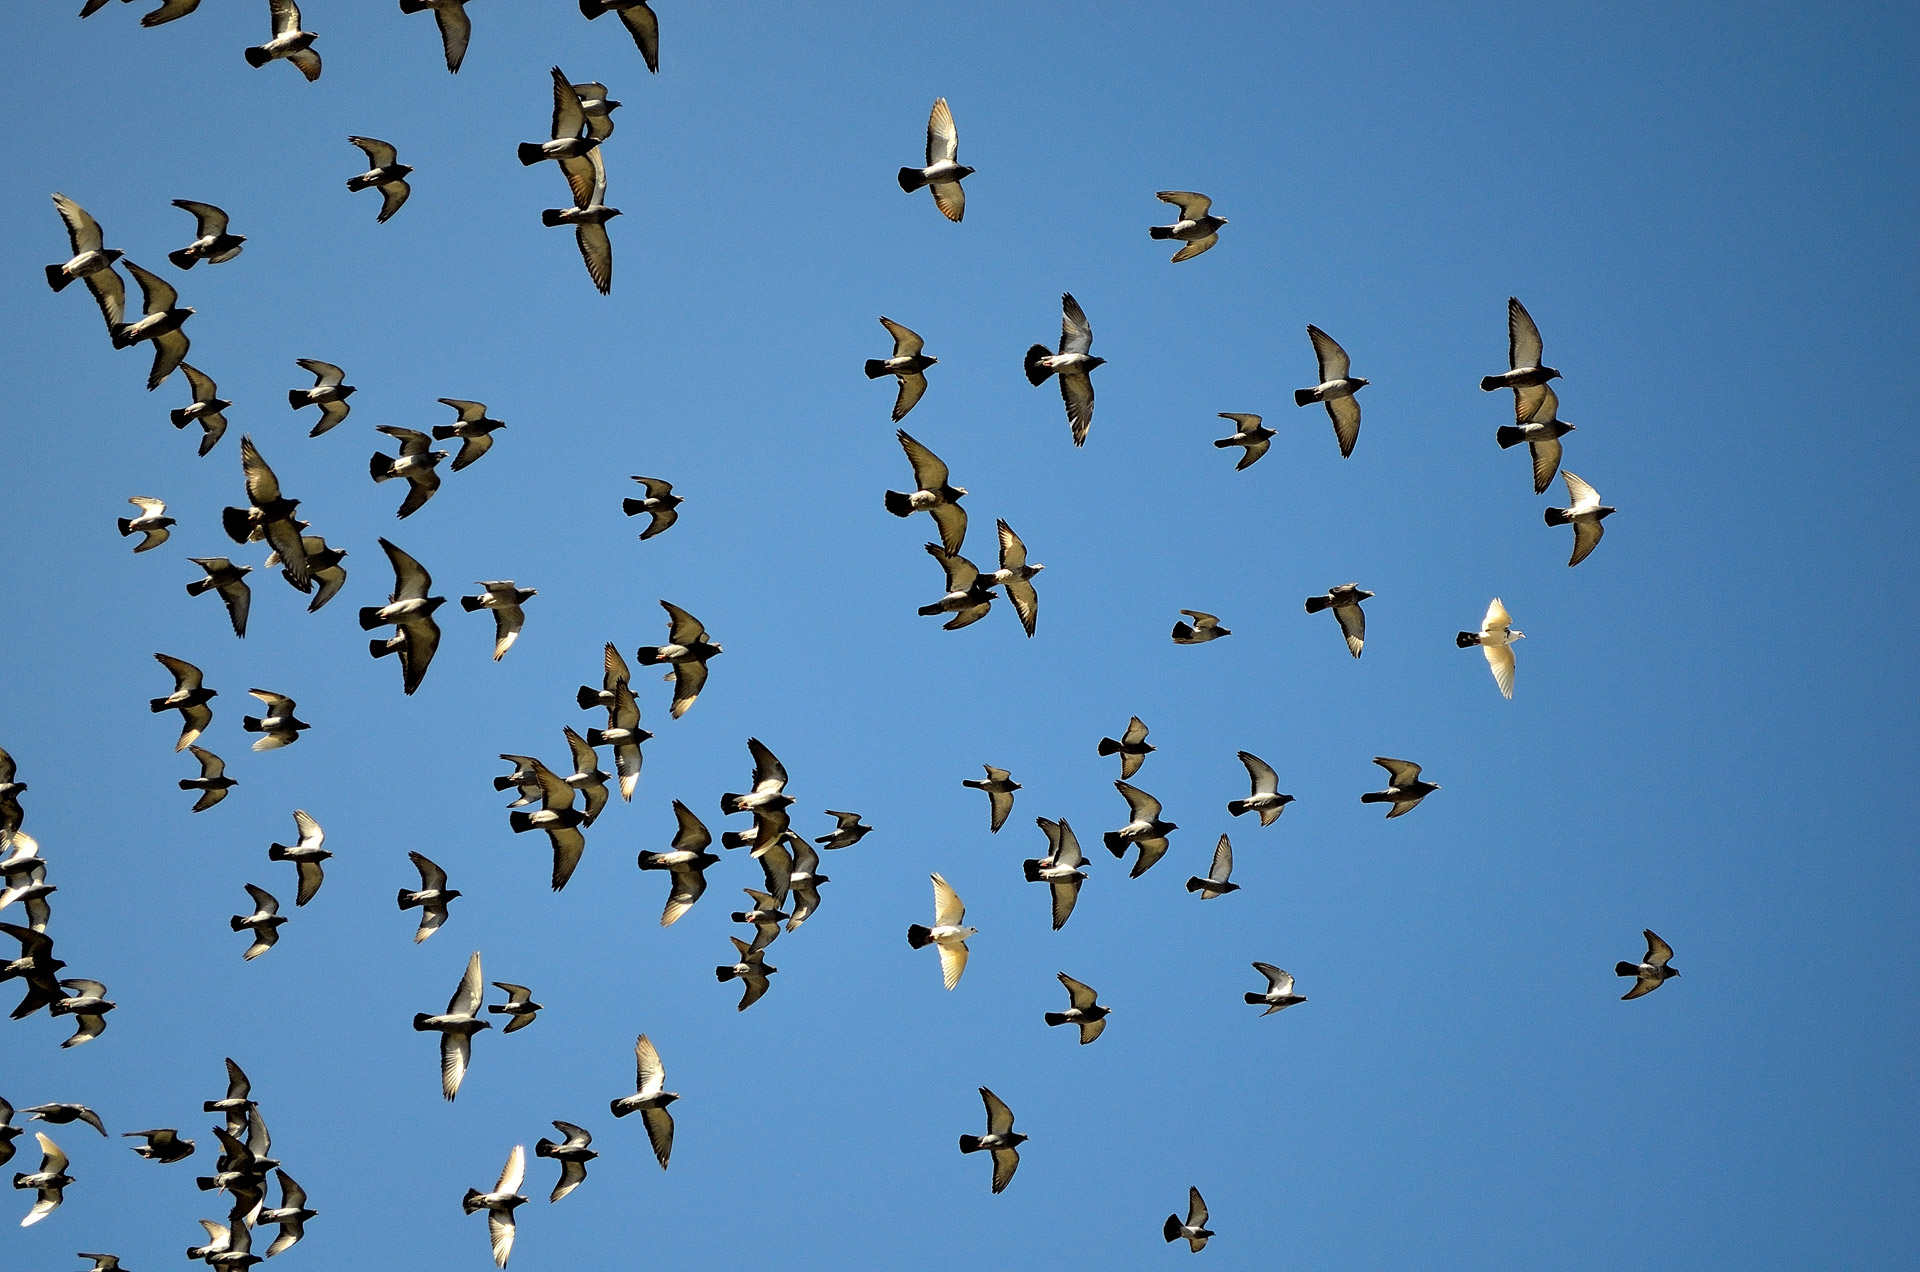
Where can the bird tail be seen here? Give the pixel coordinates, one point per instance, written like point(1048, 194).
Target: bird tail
point(588, 697)
point(125, 528)
point(468, 1204)
point(179, 417)
point(1302, 396)
point(734, 839)
point(898, 504)
point(724, 974)
point(1182, 632)
point(553, 216)
point(441, 432)
point(544, 1148)
point(1236, 807)
point(1109, 746)
point(930, 610)
point(1557, 517)
point(1196, 884)
point(1033, 870)
point(58, 278)
point(297, 398)
point(1317, 603)
point(649, 655)
point(276, 852)
point(969, 1143)
point(381, 467)
point(1507, 435)
point(1172, 1229)
point(521, 822)
point(1115, 845)
point(205, 1183)
point(1376, 797)
point(912, 179)
point(729, 804)
point(1225, 442)
point(1256, 998)
point(1467, 640)
point(258, 57)
point(236, 922)
point(1625, 969)
point(1056, 1018)
point(234, 521)
point(251, 724)
point(420, 1021)
point(530, 153)
point(156, 705)
point(1160, 231)
point(1037, 370)
point(918, 937)
point(592, 8)
point(472, 603)
point(183, 259)
point(379, 648)
point(1490, 383)
point(370, 618)
point(875, 367)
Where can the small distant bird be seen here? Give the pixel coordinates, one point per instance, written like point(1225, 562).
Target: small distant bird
point(211, 243)
point(999, 787)
point(587, 178)
point(933, 494)
point(1335, 390)
point(1279, 993)
point(568, 146)
point(163, 325)
point(1016, 576)
point(1131, 746)
point(847, 831)
point(473, 428)
point(264, 922)
point(944, 171)
point(152, 523)
point(573, 1156)
point(1344, 601)
point(291, 1215)
point(1074, 364)
point(1195, 1228)
point(614, 675)
point(289, 41)
point(1651, 972)
point(1523, 353)
point(688, 649)
point(456, 29)
point(88, 1006)
point(1404, 790)
point(686, 859)
point(587, 777)
point(1001, 1140)
point(1537, 422)
point(751, 970)
point(432, 897)
point(907, 363)
point(1266, 799)
point(649, 1099)
point(92, 260)
point(50, 1181)
point(206, 409)
point(10, 792)
point(767, 801)
point(946, 933)
point(163, 1145)
point(500, 1204)
point(1145, 830)
point(213, 782)
point(456, 1027)
point(329, 393)
point(410, 610)
point(279, 725)
point(385, 173)
point(1584, 515)
point(640, 22)
point(624, 734)
point(323, 567)
point(1081, 1010)
point(1495, 638)
point(189, 698)
point(8, 1132)
point(966, 598)
point(803, 880)
point(1060, 869)
point(661, 504)
point(65, 1115)
point(1215, 884)
point(519, 1006)
point(416, 464)
point(1205, 627)
point(228, 579)
point(1250, 434)
point(1196, 229)
point(269, 515)
point(306, 855)
point(505, 600)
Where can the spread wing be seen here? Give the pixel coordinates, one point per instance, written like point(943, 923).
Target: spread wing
point(948, 909)
point(1585, 498)
point(1334, 363)
point(929, 473)
point(1586, 537)
point(263, 487)
point(596, 250)
point(1222, 868)
point(186, 676)
point(1497, 619)
point(1013, 552)
point(1546, 459)
point(83, 232)
point(644, 25)
point(649, 1075)
point(210, 222)
point(943, 141)
point(325, 374)
point(1076, 333)
point(1402, 772)
point(432, 877)
point(659, 1124)
point(456, 29)
point(682, 627)
point(568, 119)
point(1143, 806)
point(466, 999)
point(1265, 780)
point(906, 342)
point(1078, 994)
point(1196, 1209)
point(1523, 338)
point(999, 1116)
point(769, 775)
point(912, 389)
point(1500, 659)
point(286, 16)
point(1659, 953)
point(1192, 206)
point(411, 582)
point(380, 154)
point(110, 294)
point(953, 961)
point(1278, 981)
point(1353, 625)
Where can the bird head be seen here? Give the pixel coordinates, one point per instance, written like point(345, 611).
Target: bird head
point(613, 212)
point(1012, 1138)
point(1513, 635)
point(1603, 512)
point(1359, 383)
point(1034, 569)
point(965, 172)
point(1549, 373)
point(112, 254)
point(399, 170)
point(931, 361)
point(449, 894)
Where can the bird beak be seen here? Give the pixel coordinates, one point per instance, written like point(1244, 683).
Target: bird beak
point(1519, 635)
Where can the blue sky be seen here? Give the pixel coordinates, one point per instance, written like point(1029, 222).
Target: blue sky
point(1708, 210)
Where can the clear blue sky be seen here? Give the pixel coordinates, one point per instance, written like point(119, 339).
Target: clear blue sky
point(1707, 208)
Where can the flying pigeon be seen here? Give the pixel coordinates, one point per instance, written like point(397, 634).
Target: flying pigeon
point(431, 898)
point(1131, 746)
point(455, 27)
point(1584, 515)
point(213, 782)
point(264, 922)
point(686, 859)
point(278, 727)
point(1523, 353)
point(473, 428)
point(1266, 799)
point(1344, 601)
point(1016, 576)
point(966, 598)
point(415, 464)
point(1074, 364)
point(268, 515)
point(1081, 1010)
point(189, 698)
point(1495, 638)
point(306, 855)
point(500, 1203)
point(1000, 1140)
point(751, 970)
point(288, 41)
point(228, 579)
point(329, 393)
point(1335, 390)
point(206, 409)
point(999, 787)
point(932, 495)
point(1196, 230)
point(944, 172)
point(519, 1006)
point(211, 243)
point(847, 831)
point(1279, 993)
point(456, 1027)
point(1060, 869)
point(688, 649)
point(410, 610)
point(163, 325)
point(1404, 790)
point(92, 260)
point(587, 178)
point(1205, 627)
point(1144, 830)
point(907, 363)
point(163, 1145)
point(661, 505)
point(1249, 434)
point(649, 1099)
point(1215, 884)
point(49, 1182)
point(1650, 973)
point(1194, 1229)
point(623, 733)
point(505, 600)
point(946, 932)
point(573, 1156)
point(1537, 422)
point(640, 21)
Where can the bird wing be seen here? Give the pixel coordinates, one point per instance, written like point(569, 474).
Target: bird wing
point(649, 1075)
point(432, 877)
point(466, 998)
point(596, 251)
point(1143, 806)
point(1345, 414)
point(572, 1175)
point(659, 1124)
point(456, 29)
point(1535, 404)
point(209, 221)
point(943, 140)
point(311, 877)
point(951, 198)
point(568, 119)
point(311, 836)
point(286, 16)
point(83, 232)
point(1065, 893)
point(170, 348)
point(929, 472)
point(455, 1050)
point(411, 582)
point(1001, 804)
point(568, 847)
point(1066, 846)
point(393, 195)
point(1136, 731)
point(263, 487)
point(1546, 459)
point(1026, 602)
point(278, 703)
point(1005, 1162)
point(515, 1172)
point(1500, 659)
point(157, 295)
point(52, 1160)
point(148, 505)
point(238, 1088)
point(1659, 953)
point(325, 374)
point(264, 902)
point(110, 294)
point(682, 627)
point(1076, 391)
point(412, 440)
point(777, 864)
point(1222, 868)
point(1403, 772)
point(1523, 338)
point(1078, 994)
point(999, 1116)
point(1586, 537)
point(951, 521)
point(948, 909)
point(1013, 552)
point(1265, 780)
point(584, 176)
point(615, 669)
point(380, 154)
point(1278, 981)
point(1585, 498)
point(1196, 1209)
point(1192, 206)
point(1076, 333)
point(769, 775)
point(1202, 619)
point(693, 835)
point(554, 791)
point(585, 758)
point(211, 765)
point(644, 25)
point(1353, 625)
point(953, 961)
point(186, 676)
point(1334, 363)
point(906, 341)
point(469, 412)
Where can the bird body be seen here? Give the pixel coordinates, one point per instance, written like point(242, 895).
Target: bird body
point(1344, 601)
point(1197, 229)
point(946, 934)
point(1335, 390)
point(152, 522)
point(1524, 348)
point(1205, 627)
point(1001, 1140)
point(1074, 364)
point(288, 42)
point(1266, 799)
point(456, 1027)
point(1279, 992)
point(1495, 638)
point(943, 172)
point(1584, 514)
point(213, 782)
point(212, 243)
point(163, 1145)
point(998, 787)
point(189, 697)
point(1651, 972)
point(751, 970)
point(1145, 830)
point(410, 610)
point(1215, 883)
point(1082, 1010)
point(1404, 790)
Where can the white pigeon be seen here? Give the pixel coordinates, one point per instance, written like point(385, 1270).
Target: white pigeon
point(946, 932)
point(1495, 638)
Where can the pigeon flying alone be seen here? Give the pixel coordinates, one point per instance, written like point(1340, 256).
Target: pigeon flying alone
point(1266, 798)
point(1145, 830)
point(946, 933)
point(1060, 869)
point(189, 698)
point(1196, 229)
point(1131, 746)
point(649, 1099)
point(410, 610)
point(1651, 972)
point(1216, 883)
point(230, 580)
point(206, 409)
point(1585, 515)
point(211, 243)
point(1250, 434)
point(152, 522)
point(213, 782)
point(279, 725)
point(87, 1004)
point(1523, 353)
point(264, 922)
point(907, 363)
point(505, 600)
point(1194, 1229)
point(415, 464)
point(431, 898)
point(1205, 627)
point(1495, 638)
point(932, 495)
point(288, 41)
point(1082, 1010)
point(848, 830)
point(1335, 390)
point(944, 172)
point(329, 393)
point(688, 649)
point(456, 1027)
point(473, 428)
point(660, 504)
point(162, 325)
point(1344, 601)
point(163, 1145)
point(1074, 364)
point(519, 1006)
point(306, 855)
point(92, 260)
point(640, 21)
point(1000, 1140)
point(1404, 790)
point(1279, 992)
point(500, 1203)
point(385, 173)
point(573, 1156)
point(455, 27)
point(999, 787)
point(66, 1115)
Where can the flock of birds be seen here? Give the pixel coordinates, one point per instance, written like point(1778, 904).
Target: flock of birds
point(563, 805)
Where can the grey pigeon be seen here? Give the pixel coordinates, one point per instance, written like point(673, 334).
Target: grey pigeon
point(1335, 390)
point(624, 734)
point(1205, 627)
point(1266, 799)
point(264, 922)
point(1016, 576)
point(1195, 1228)
point(767, 801)
point(944, 171)
point(415, 464)
point(291, 1215)
point(519, 1007)
point(1074, 364)
point(1537, 422)
point(649, 1099)
point(1082, 1010)
point(329, 393)
point(288, 42)
point(998, 787)
point(431, 898)
point(505, 600)
point(230, 580)
point(1061, 869)
point(1001, 1140)
point(614, 675)
point(848, 831)
point(686, 859)
point(803, 880)
point(907, 363)
point(213, 782)
point(1584, 514)
point(88, 1005)
point(573, 1156)
point(410, 610)
point(1523, 353)
point(48, 1183)
point(1279, 992)
point(279, 726)
point(751, 969)
point(1404, 790)
point(269, 515)
point(1144, 830)
point(500, 1202)
point(163, 1145)
point(556, 816)
point(966, 598)
point(1250, 434)
point(568, 145)
point(1344, 601)
point(189, 697)
point(152, 522)
point(1197, 230)
point(456, 1027)
point(933, 494)
point(92, 261)
point(306, 855)
point(212, 243)
point(456, 29)
point(1651, 972)
point(587, 777)
point(65, 1115)
point(1131, 746)
point(162, 325)
point(384, 173)
point(205, 410)
point(1216, 883)
point(587, 178)
point(688, 650)
point(660, 505)
point(323, 567)
point(473, 428)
